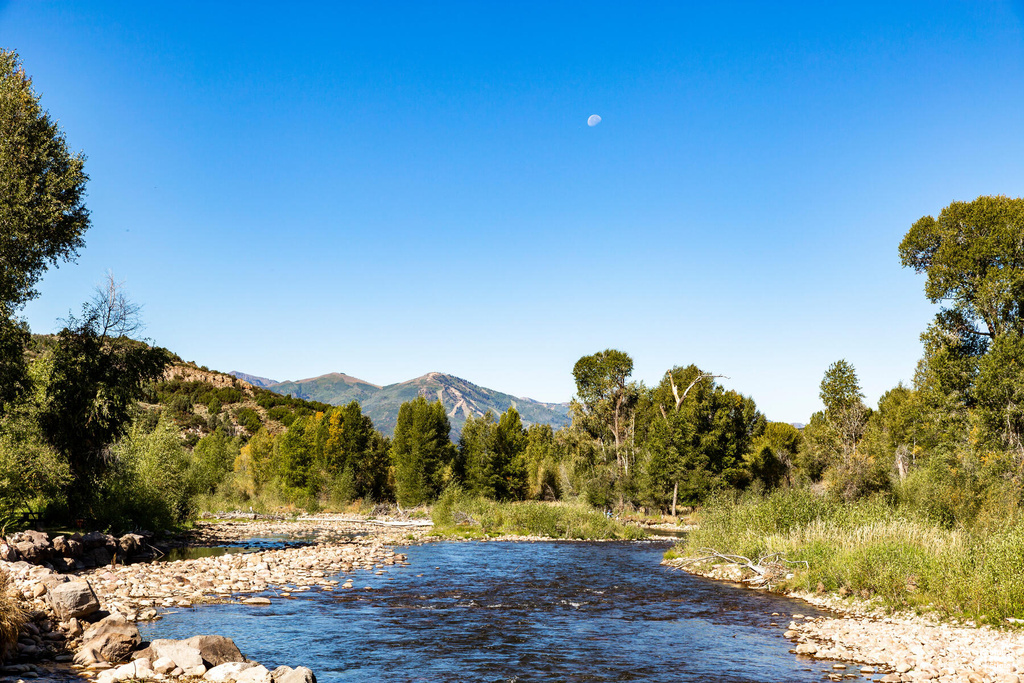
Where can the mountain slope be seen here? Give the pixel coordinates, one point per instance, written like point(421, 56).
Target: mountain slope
point(253, 379)
point(459, 397)
point(335, 388)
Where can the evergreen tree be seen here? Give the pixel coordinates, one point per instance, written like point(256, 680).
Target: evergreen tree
point(421, 452)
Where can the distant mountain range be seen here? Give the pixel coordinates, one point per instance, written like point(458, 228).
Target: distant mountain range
point(460, 398)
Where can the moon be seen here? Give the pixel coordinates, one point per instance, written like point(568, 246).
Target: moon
point(593, 120)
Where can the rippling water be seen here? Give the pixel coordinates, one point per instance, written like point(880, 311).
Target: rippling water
point(517, 612)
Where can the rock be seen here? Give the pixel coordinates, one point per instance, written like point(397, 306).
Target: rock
point(7, 552)
point(63, 564)
point(891, 678)
point(130, 544)
point(164, 665)
point(254, 674)
point(73, 599)
point(68, 547)
point(111, 639)
point(806, 649)
point(256, 601)
point(94, 539)
point(299, 674)
point(38, 590)
point(215, 650)
point(99, 556)
point(185, 656)
point(34, 547)
point(227, 671)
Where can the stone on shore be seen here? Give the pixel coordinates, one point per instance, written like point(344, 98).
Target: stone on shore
point(109, 640)
point(286, 674)
point(255, 674)
point(185, 656)
point(74, 599)
point(228, 671)
point(215, 650)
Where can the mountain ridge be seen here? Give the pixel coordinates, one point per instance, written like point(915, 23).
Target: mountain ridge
point(461, 398)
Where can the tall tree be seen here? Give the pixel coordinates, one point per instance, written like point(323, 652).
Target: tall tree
point(421, 451)
point(42, 210)
point(93, 385)
point(605, 398)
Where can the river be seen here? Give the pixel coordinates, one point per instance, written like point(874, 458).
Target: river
point(500, 611)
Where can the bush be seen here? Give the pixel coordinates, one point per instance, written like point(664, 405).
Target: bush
point(12, 615)
point(456, 513)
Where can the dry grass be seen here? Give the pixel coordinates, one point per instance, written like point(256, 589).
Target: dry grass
point(12, 615)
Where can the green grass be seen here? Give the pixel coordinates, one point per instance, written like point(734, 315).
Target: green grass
point(457, 515)
point(890, 552)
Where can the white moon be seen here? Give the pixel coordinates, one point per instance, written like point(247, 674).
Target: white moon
point(593, 120)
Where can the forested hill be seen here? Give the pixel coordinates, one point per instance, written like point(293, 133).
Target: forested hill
point(460, 398)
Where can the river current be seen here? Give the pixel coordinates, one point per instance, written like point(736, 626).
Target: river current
point(501, 611)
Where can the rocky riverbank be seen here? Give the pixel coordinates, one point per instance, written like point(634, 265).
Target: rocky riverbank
point(893, 648)
point(58, 642)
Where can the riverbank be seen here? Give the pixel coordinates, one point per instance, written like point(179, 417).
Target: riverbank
point(894, 647)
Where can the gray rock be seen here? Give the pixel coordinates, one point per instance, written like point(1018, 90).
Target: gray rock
point(183, 655)
point(299, 674)
point(227, 671)
point(112, 639)
point(215, 650)
point(99, 556)
point(254, 674)
point(130, 544)
point(72, 599)
point(8, 553)
point(68, 547)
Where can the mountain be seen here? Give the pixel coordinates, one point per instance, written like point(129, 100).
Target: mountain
point(335, 388)
point(460, 398)
point(253, 379)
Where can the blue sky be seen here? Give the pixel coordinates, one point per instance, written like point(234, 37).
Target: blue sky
point(387, 189)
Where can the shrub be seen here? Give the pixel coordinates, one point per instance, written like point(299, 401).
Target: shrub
point(12, 615)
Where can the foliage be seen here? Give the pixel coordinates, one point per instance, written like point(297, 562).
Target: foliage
point(421, 452)
point(458, 514)
point(891, 552)
point(42, 210)
point(491, 456)
point(91, 390)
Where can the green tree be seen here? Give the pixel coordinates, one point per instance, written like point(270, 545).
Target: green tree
point(604, 399)
point(42, 210)
point(93, 383)
point(421, 451)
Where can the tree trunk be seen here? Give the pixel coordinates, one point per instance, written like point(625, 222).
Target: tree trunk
point(675, 495)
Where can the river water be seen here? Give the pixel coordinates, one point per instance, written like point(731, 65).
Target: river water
point(501, 611)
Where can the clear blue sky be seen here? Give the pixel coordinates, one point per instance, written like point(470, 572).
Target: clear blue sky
point(387, 189)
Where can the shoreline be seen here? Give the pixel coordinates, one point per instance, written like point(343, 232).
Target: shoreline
point(900, 646)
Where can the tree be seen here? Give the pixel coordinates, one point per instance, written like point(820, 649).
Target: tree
point(92, 385)
point(492, 456)
point(605, 398)
point(42, 210)
point(421, 451)
point(845, 411)
point(973, 255)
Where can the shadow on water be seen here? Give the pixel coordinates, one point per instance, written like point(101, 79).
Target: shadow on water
point(518, 612)
point(248, 545)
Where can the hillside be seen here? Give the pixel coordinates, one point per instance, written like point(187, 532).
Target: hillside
point(460, 398)
point(263, 382)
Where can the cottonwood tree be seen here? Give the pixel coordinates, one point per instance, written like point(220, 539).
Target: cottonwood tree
point(605, 399)
point(42, 210)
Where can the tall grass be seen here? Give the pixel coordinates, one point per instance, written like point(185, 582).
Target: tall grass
point(458, 514)
point(12, 615)
point(871, 546)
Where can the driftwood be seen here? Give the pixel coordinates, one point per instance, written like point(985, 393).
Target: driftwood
point(769, 568)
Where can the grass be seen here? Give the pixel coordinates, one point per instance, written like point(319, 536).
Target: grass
point(12, 615)
point(876, 548)
point(457, 515)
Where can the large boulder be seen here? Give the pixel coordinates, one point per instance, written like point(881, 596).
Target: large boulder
point(130, 544)
point(94, 539)
point(183, 655)
point(286, 674)
point(227, 671)
point(111, 639)
point(33, 546)
point(68, 547)
point(215, 650)
point(73, 599)
point(254, 674)
point(7, 552)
